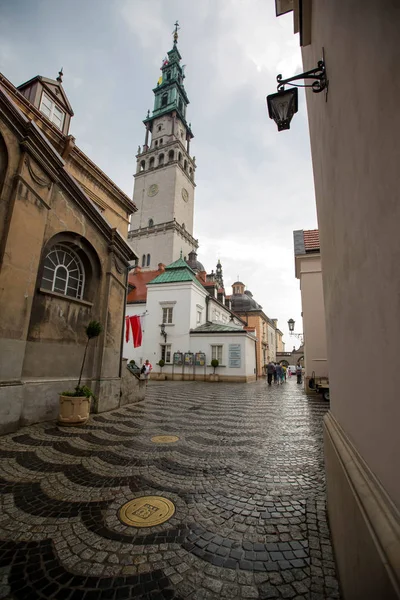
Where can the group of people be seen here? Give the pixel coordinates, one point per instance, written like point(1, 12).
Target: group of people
point(278, 373)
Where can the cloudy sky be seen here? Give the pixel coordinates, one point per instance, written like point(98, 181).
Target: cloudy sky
point(254, 186)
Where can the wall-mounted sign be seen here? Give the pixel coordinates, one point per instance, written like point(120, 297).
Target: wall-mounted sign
point(189, 358)
point(200, 359)
point(178, 359)
point(235, 356)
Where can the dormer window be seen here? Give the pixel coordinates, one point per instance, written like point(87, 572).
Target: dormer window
point(52, 112)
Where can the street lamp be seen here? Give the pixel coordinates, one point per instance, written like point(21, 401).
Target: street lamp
point(163, 332)
point(284, 104)
point(291, 324)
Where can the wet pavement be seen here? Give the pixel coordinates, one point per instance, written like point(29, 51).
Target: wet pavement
point(245, 476)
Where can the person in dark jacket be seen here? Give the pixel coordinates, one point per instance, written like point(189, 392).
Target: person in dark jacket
point(270, 372)
point(298, 372)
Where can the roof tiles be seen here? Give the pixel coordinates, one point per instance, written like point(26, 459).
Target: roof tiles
point(311, 240)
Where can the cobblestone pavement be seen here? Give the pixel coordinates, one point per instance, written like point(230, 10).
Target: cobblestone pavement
point(246, 477)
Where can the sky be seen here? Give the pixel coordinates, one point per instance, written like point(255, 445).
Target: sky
point(254, 185)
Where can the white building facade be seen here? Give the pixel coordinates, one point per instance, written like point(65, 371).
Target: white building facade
point(184, 325)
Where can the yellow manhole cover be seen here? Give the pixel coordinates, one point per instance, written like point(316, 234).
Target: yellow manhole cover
point(147, 511)
point(164, 439)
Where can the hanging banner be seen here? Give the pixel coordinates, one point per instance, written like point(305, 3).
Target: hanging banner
point(189, 359)
point(178, 359)
point(235, 356)
point(200, 359)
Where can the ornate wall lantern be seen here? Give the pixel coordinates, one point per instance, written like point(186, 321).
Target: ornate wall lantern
point(163, 332)
point(284, 104)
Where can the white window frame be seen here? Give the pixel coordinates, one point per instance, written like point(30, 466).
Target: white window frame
point(65, 258)
point(166, 349)
point(217, 351)
point(198, 318)
point(52, 110)
point(167, 315)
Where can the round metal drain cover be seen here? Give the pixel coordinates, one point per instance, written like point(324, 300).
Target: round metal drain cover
point(146, 511)
point(164, 439)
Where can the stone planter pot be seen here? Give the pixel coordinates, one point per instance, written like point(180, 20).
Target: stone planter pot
point(74, 410)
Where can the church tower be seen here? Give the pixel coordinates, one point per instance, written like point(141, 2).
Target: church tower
point(164, 180)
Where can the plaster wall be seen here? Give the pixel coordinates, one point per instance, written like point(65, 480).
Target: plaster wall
point(203, 342)
point(312, 299)
point(355, 161)
point(183, 298)
point(354, 142)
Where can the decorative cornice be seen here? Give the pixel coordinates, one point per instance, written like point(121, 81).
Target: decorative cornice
point(161, 228)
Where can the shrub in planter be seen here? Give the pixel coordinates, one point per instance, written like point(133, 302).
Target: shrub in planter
point(75, 405)
point(214, 364)
point(161, 363)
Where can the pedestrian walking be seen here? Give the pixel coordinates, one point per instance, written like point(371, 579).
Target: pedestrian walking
point(298, 372)
point(283, 373)
point(278, 369)
point(270, 372)
point(146, 370)
point(275, 373)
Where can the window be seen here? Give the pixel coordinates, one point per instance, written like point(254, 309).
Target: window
point(142, 165)
point(180, 156)
point(216, 353)
point(151, 163)
point(161, 141)
point(63, 272)
point(159, 128)
point(164, 100)
point(148, 260)
point(151, 223)
point(156, 143)
point(166, 352)
point(51, 110)
point(198, 317)
point(161, 159)
point(143, 260)
point(180, 104)
point(167, 314)
point(185, 165)
point(169, 75)
point(171, 155)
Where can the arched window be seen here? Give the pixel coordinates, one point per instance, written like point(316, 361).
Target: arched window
point(63, 272)
point(164, 100)
point(156, 143)
point(161, 159)
point(148, 260)
point(159, 128)
point(185, 165)
point(180, 156)
point(180, 104)
point(142, 165)
point(161, 141)
point(169, 75)
point(171, 155)
point(191, 172)
point(143, 260)
point(151, 223)
point(151, 163)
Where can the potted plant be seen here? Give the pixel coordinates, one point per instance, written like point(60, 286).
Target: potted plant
point(214, 364)
point(161, 375)
point(75, 405)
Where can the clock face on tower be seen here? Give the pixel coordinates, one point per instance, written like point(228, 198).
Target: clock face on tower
point(152, 190)
point(185, 194)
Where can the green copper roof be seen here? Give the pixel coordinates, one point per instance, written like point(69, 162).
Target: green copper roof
point(177, 272)
point(218, 328)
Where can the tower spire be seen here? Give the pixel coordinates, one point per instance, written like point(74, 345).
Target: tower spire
point(175, 32)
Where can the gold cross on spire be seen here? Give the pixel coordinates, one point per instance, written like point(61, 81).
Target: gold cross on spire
point(175, 32)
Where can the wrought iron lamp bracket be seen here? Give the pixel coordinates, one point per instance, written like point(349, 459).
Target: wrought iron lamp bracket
point(318, 74)
point(163, 332)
